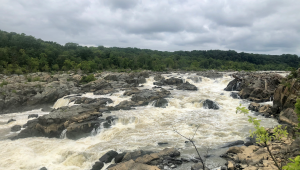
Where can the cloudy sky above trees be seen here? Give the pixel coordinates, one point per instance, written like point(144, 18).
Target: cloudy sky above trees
point(256, 26)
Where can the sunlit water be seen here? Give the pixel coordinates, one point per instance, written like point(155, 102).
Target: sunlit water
point(141, 128)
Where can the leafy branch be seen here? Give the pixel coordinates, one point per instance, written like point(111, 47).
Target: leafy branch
point(262, 135)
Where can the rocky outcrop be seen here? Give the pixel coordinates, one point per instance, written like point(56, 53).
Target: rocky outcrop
point(285, 97)
point(187, 86)
point(77, 121)
point(254, 157)
point(176, 82)
point(257, 87)
point(39, 89)
point(147, 160)
point(146, 96)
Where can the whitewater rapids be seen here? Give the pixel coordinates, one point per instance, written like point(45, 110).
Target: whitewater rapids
point(141, 128)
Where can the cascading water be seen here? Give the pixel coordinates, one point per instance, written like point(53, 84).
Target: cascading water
point(63, 134)
point(61, 102)
point(141, 128)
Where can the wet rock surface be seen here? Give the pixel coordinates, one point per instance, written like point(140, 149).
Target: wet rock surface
point(147, 160)
point(209, 104)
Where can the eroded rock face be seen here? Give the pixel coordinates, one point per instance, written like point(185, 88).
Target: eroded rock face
point(257, 87)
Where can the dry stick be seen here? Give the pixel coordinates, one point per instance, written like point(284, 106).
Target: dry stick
point(191, 140)
point(272, 156)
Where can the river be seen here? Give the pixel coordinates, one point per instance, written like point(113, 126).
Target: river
point(142, 128)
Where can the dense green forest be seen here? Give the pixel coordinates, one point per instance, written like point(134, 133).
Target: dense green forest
point(20, 53)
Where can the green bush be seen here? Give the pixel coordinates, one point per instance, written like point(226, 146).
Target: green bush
point(3, 83)
point(294, 165)
point(87, 79)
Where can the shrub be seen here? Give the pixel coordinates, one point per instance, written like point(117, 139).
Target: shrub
point(3, 83)
point(87, 79)
point(262, 135)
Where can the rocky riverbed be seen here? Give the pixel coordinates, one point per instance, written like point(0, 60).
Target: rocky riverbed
point(131, 113)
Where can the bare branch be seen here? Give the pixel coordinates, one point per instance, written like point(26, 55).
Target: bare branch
point(203, 164)
point(195, 132)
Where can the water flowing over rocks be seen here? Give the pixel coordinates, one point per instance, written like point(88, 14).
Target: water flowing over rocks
point(177, 82)
point(79, 121)
point(121, 113)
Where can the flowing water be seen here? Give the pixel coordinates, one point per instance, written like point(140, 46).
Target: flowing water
point(142, 128)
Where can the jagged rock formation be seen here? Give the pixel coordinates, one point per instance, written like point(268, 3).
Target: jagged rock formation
point(257, 87)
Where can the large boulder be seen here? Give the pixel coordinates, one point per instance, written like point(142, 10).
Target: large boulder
point(106, 158)
point(289, 116)
point(254, 106)
point(233, 85)
point(209, 104)
point(145, 96)
point(187, 86)
point(16, 128)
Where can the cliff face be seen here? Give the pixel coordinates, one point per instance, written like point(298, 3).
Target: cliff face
point(262, 87)
point(285, 97)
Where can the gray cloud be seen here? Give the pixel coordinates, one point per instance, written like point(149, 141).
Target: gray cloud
point(259, 26)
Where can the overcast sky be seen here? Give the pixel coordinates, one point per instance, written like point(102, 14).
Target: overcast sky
point(257, 26)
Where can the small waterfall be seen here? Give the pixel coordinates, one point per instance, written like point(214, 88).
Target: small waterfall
point(63, 134)
point(61, 102)
point(94, 132)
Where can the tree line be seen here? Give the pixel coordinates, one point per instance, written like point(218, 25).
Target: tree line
point(20, 53)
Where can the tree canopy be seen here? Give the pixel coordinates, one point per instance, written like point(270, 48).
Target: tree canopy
point(20, 53)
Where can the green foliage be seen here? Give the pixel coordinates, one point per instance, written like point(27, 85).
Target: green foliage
point(297, 110)
point(260, 132)
point(87, 79)
point(36, 79)
point(293, 74)
point(20, 53)
point(294, 165)
point(3, 83)
point(262, 135)
point(14, 91)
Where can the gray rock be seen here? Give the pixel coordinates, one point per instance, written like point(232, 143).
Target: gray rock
point(10, 120)
point(209, 104)
point(106, 158)
point(16, 128)
point(161, 103)
point(187, 86)
point(33, 116)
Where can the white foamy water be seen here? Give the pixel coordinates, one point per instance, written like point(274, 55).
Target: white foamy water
point(141, 128)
